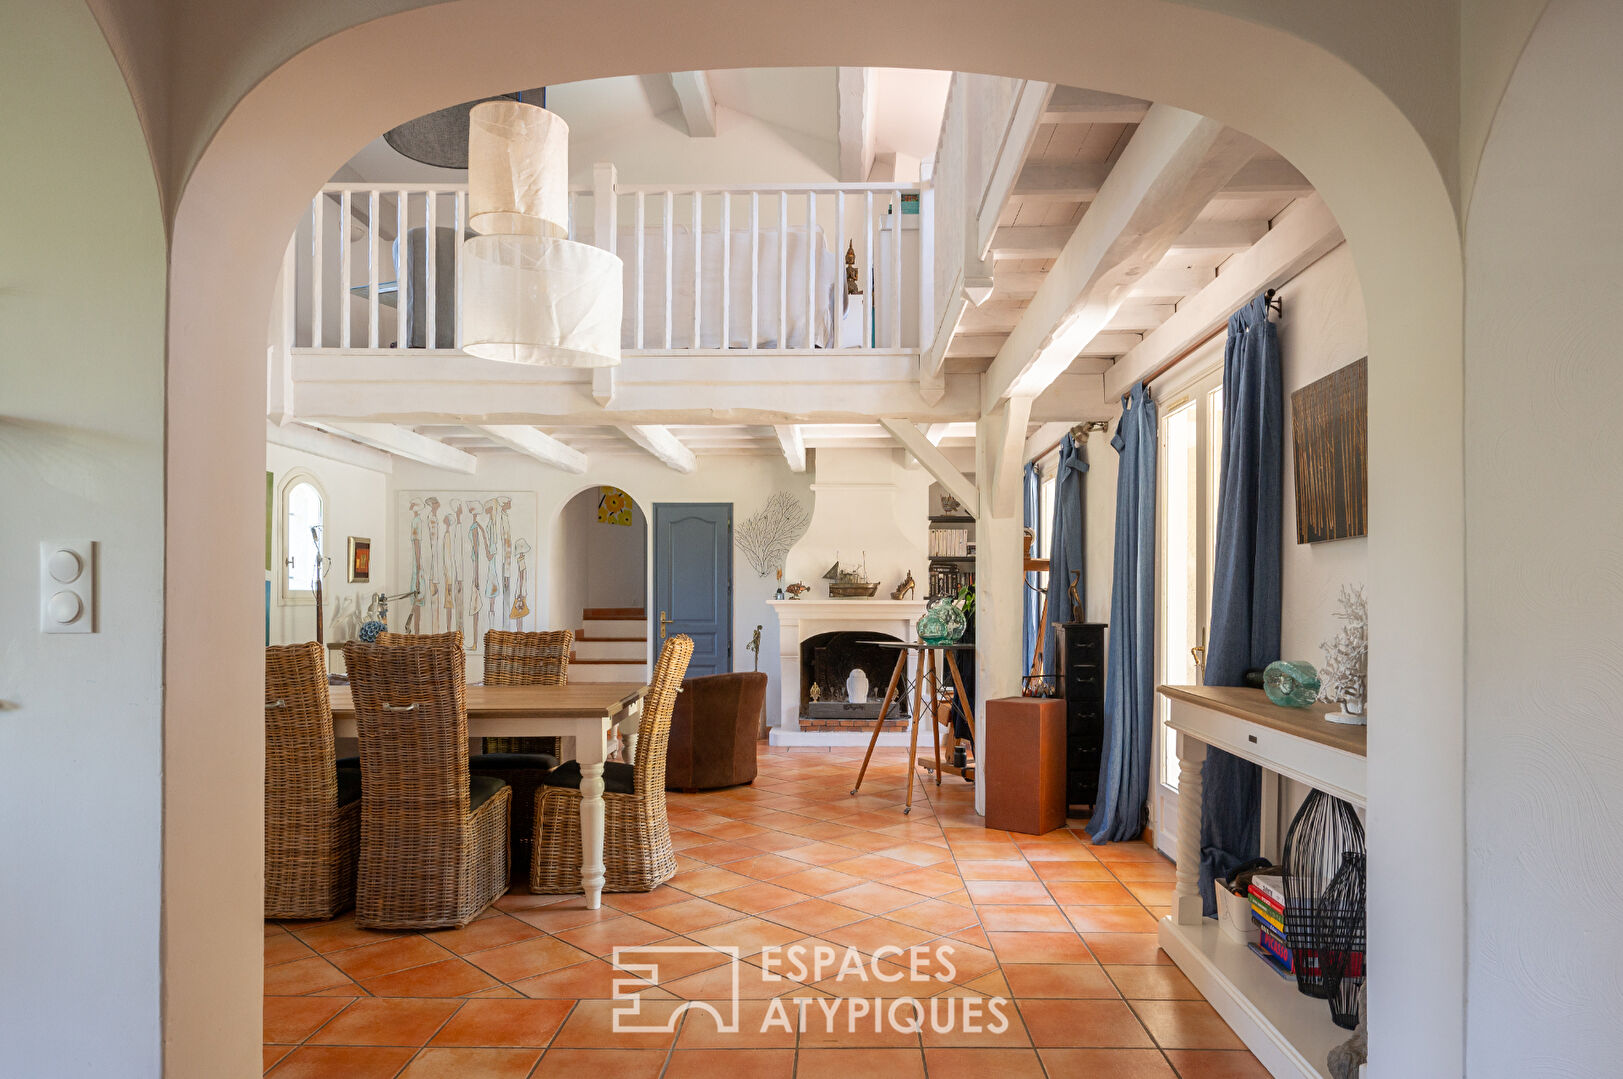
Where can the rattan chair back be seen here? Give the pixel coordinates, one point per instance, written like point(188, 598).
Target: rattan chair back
point(527, 659)
point(310, 846)
point(420, 848)
point(397, 640)
point(654, 730)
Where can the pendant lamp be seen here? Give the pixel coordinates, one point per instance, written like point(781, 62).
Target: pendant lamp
point(530, 294)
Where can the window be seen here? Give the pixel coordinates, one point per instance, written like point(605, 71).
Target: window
point(1190, 462)
point(303, 508)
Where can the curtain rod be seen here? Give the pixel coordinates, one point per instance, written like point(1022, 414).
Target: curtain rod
point(1080, 429)
point(1275, 304)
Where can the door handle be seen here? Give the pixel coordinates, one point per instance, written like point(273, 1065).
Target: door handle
point(663, 622)
point(1199, 654)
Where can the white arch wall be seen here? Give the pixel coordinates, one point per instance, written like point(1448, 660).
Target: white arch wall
point(1374, 167)
point(1545, 560)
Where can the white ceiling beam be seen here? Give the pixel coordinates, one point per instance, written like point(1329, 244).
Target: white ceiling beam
point(524, 439)
point(792, 441)
point(858, 102)
point(1161, 283)
point(296, 436)
point(935, 462)
point(1227, 236)
point(1110, 344)
point(404, 442)
point(1008, 432)
point(663, 445)
point(1301, 236)
point(697, 103)
point(1166, 175)
point(974, 345)
point(1047, 241)
point(1043, 438)
point(936, 432)
point(1080, 182)
point(1073, 105)
point(1003, 173)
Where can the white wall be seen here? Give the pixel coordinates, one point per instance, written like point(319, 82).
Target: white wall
point(1544, 505)
point(744, 480)
point(81, 455)
point(357, 505)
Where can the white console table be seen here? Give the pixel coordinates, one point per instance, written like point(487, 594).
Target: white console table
point(1290, 1034)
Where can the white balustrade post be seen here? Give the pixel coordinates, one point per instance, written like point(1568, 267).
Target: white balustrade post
point(1186, 898)
point(605, 234)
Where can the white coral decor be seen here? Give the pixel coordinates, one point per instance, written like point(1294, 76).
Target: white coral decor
point(766, 537)
point(1346, 658)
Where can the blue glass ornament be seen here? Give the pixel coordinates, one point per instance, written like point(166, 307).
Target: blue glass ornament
point(370, 630)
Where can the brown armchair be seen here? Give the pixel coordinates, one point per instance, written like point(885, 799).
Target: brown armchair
point(715, 730)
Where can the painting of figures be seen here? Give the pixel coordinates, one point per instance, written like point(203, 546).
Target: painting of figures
point(467, 557)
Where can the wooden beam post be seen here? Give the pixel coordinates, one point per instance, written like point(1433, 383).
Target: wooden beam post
point(855, 87)
point(793, 443)
point(404, 442)
point(662, 444)
point(543, 447)
point(1169, 171)
point(935, 462)
point(697, 103)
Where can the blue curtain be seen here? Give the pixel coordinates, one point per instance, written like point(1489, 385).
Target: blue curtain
point(1245, 579)
point(1033, 598)
point(1064, 546)
point(1124, 771)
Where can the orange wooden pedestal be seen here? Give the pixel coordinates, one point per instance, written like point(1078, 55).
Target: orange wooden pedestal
point(1024, 762)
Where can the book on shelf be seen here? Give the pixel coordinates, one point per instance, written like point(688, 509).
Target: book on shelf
point(1270, 887)
point(1281, 969)
point(1265, 915)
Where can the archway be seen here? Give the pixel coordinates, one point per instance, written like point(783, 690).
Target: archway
point(599, 583)
point(1345, 135)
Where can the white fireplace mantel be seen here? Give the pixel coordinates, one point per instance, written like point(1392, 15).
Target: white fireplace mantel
point(799, 619)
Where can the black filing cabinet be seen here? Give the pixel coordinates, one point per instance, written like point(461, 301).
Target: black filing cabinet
point(1082, 682)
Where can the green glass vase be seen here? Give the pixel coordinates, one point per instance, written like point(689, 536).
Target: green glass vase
point(1291, 683)
point(943, 623)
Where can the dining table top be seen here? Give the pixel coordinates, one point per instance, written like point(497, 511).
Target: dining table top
point(577, 700)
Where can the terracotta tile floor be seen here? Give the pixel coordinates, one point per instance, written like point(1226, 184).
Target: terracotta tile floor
point(1062, 930)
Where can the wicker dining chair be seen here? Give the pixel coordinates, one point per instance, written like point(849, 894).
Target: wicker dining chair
point(312, 810)
point(523, 659)
point(637, 854)
point(433, 838)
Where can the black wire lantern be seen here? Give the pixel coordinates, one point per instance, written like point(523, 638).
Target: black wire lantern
point(1324, 830)
point(1341, 916)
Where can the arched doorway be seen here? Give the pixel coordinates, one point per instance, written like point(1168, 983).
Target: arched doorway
point(599, 585)
point(1357, 148)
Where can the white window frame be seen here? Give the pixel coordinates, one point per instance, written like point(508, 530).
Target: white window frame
point(289, 596)
point(1197, 388)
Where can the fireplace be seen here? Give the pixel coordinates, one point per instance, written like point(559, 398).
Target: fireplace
point(827, 660)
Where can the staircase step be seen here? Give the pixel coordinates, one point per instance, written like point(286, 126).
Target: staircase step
point(615, 628)
point(595, 651)
point(574, 659)
point(614, 613)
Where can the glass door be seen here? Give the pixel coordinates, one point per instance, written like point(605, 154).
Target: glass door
point(1189, 460)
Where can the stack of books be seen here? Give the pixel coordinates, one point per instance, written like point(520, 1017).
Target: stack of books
point(1268, 911)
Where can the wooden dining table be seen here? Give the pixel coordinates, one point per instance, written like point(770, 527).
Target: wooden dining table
point(584, 711)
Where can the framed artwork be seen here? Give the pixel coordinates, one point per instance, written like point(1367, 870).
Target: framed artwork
point(466, 556)
point(360, 560)
point(1330, 424)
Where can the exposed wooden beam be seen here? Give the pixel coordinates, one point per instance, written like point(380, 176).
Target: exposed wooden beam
point(1014, 146)
point(971, 345)
point(1072, 105)
point(1047, 241)
point(857, 100)
point(1009, 441)
point(697, 103)
point(1171, 282)
point(793, 443)
point(1110, 344)
point(1163, 179)
point(663, 445)
point(296, 436)
point(404, 442)
point(935, 462)
point(936, 432)
point(1080, 182)
point(1300, 237)
point(543, 447)
point(1140, 317)
point(1042, 439)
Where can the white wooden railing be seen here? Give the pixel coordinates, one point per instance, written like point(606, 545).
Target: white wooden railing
point(777, 285)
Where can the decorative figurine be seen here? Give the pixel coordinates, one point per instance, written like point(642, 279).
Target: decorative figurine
point(1346, 659)
point(853, 287)
point(755, 646)
point(816, 692)
point(856, 685)
point(905, 589)
point(779, 594)
point(796, 589)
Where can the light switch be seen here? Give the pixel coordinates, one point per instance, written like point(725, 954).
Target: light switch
point(67, 586)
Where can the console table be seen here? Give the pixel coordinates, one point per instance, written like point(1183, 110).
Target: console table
point(1290, 1034)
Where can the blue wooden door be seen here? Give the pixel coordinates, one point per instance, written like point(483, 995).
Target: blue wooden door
point(693, 580)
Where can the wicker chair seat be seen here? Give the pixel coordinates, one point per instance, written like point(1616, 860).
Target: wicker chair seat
point(637, 852)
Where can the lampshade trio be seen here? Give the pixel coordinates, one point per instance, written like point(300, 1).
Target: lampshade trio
point(530, 294)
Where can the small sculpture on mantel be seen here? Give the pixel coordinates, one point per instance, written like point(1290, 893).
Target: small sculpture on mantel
point(815, 692)
point(905, 589)
point(1346, 659)
point(796, 589)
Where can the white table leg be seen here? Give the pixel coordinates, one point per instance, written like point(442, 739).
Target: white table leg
point(1186, 899)
point(592, 750)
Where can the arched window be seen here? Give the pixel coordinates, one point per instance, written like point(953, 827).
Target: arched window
point(303, 510)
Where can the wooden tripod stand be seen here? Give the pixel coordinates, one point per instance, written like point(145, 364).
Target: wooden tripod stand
point(927, 673)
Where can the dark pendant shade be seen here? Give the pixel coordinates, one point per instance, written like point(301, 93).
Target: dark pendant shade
point(441, 138)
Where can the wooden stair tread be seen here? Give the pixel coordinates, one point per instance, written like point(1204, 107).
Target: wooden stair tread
point(613, 614)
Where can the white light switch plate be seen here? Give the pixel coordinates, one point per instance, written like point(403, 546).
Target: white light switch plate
point(67, 586)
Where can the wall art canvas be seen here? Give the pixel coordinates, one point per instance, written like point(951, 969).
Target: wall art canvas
point(469, 556)
point(1330, 422)
point(613, 506)
point(360, 560)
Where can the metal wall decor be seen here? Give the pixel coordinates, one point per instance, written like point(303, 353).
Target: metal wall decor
point(1324, 831)
point(766, 537)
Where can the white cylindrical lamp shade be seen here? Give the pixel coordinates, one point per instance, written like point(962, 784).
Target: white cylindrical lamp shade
point(538, 300)
point(518, 170)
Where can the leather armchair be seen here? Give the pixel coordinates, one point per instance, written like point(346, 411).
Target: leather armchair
point(714, 731)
